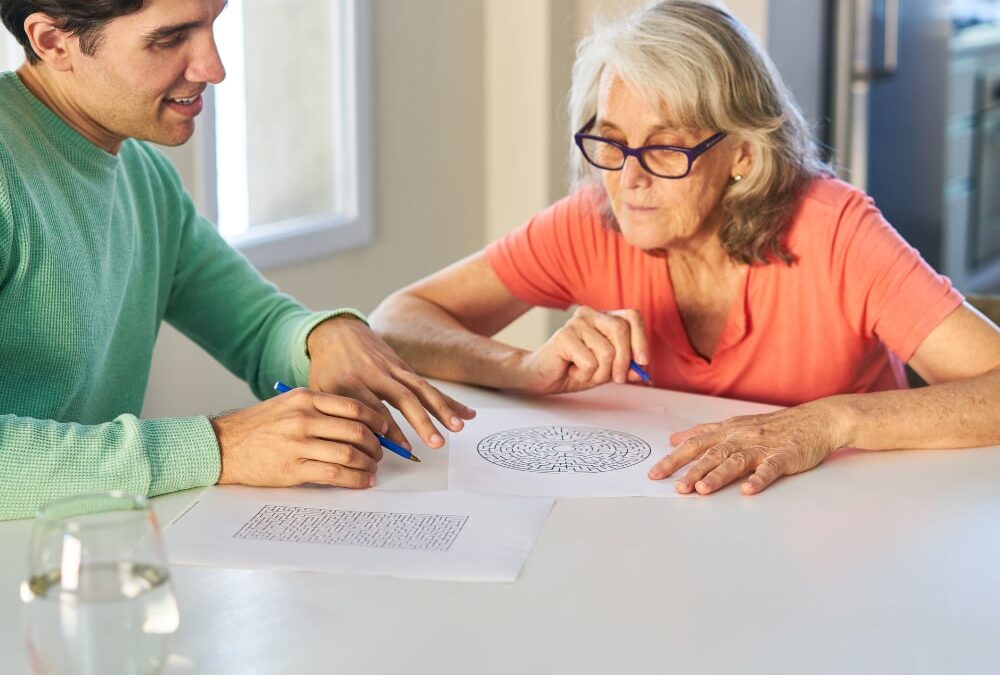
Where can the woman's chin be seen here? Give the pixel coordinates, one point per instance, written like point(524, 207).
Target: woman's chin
point(646, 239)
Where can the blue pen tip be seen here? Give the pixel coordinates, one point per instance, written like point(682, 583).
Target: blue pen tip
point(643, 375)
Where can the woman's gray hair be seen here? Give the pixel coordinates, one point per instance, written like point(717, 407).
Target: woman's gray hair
point(703, 64)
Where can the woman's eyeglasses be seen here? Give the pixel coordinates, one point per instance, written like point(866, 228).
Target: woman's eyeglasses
point(662, 161)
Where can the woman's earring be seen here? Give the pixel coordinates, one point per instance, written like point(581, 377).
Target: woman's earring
point(737, 178)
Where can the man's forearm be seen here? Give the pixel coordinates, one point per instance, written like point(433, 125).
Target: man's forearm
point(42, 460)
point(959, 414)
point(435, 344)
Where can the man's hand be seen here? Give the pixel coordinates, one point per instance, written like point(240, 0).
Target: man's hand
point(350, 360)
point(763, 447)
point(592, 348)
point(300, 437)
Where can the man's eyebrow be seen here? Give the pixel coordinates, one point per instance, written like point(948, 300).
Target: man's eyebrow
point(164, 32)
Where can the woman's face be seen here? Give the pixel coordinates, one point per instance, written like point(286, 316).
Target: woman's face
point(657, 214)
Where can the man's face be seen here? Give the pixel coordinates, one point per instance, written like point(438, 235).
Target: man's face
point(146, 78)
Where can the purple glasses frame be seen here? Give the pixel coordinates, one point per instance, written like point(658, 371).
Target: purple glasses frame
point(691, 153)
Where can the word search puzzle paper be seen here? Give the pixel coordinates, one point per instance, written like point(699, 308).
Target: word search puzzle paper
point(561, 452)
point(427, 535)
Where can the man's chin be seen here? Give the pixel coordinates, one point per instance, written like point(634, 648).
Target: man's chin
point(171, 137)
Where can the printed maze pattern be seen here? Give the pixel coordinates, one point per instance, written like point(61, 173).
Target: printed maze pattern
point(374, 529)
point(559, 449)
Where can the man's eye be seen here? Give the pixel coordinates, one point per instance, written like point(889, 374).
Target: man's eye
point(169, 42)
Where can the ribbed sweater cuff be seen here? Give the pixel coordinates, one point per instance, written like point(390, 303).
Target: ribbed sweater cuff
point(300, 360)
point(183, 453)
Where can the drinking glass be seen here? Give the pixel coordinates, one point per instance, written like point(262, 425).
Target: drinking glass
point(98, 598)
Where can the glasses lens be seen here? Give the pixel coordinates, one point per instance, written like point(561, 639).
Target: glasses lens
point(666, 163)
point(602, 154)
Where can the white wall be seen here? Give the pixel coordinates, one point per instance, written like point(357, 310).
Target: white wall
point(529, 56)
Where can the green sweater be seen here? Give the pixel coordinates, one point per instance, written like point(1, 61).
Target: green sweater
point(95, 251)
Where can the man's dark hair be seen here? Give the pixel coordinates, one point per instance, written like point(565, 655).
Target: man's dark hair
point(83, 18)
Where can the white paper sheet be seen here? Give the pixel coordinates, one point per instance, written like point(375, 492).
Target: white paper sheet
point(427, 535)
point(562, 452)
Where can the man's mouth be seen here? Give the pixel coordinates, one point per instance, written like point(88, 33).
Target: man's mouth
point(185, 101)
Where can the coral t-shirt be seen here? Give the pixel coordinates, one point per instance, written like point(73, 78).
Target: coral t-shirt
point(855, 304)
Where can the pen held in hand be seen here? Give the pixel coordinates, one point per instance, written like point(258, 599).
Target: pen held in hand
point(640, 372)
point(281, 388)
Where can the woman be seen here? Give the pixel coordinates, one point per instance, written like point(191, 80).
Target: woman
point(706, 241)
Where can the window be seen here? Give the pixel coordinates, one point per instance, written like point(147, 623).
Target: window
point(290, 168)
point(11, 53)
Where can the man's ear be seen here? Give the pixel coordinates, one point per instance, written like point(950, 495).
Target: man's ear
point(49, 42)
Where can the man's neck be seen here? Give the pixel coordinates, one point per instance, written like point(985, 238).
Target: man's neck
point(41, 82)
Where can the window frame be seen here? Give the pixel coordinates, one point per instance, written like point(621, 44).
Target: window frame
point(302, 239)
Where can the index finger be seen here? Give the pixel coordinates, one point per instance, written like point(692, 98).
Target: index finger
point(349, 408)
point(616, 330)
point(403, 399)
point(393, 432)
point(679, 437)
point(447, 410)
point(685, 453)
point(637, 334)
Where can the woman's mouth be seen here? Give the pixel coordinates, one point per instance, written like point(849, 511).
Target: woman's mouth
point(639, 208)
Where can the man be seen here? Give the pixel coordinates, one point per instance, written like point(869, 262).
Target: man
point(99, 242)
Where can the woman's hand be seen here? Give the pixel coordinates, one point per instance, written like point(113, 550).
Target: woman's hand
point(591, 349)
point(763, 447)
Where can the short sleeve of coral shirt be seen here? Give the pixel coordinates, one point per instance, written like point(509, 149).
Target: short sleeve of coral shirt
point(855, 304)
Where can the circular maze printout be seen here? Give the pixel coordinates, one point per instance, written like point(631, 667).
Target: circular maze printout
point(558, 449)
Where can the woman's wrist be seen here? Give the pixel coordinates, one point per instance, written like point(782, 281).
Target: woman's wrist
point(844, 419)
point(513, 370)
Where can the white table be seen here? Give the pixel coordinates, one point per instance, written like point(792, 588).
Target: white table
point(872, 563)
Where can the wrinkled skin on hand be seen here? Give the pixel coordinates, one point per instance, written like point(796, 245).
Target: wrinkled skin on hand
point(759, 448)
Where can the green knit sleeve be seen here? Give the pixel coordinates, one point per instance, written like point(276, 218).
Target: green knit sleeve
point(6, 221)
point(41, 460)
point(225, 306)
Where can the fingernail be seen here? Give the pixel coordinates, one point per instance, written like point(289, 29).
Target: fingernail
point(456, 423)
point(436, 440)
point(372, 481)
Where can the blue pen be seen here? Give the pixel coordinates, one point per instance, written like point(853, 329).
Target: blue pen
point(640, 372)
point(281, 388)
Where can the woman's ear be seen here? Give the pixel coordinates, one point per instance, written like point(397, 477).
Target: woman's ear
point(48, 41)
point(743, 160)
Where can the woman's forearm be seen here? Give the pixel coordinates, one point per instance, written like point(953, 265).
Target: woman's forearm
point(959, 414)
point(436, 344)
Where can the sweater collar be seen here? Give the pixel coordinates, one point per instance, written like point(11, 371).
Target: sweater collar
point(77, 147)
